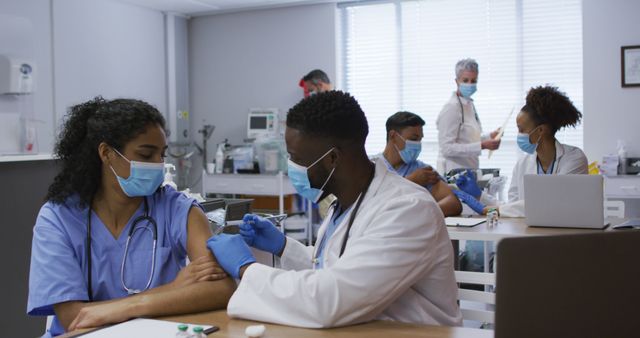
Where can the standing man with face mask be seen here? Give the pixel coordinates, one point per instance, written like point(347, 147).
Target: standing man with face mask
point(383, 252)
point(459, 129)
point(404, 144)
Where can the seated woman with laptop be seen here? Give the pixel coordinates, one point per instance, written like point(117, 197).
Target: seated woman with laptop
point(546, 111)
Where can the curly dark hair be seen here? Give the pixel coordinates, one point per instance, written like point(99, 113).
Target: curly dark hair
point(334, 114)
point(548, 105)
point(86, 125)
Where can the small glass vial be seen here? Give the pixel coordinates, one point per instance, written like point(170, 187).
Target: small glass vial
point(182, 331)
point(492, 217)
point(198, 332)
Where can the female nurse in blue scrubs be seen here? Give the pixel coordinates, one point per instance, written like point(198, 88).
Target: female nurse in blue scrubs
point(110, 244)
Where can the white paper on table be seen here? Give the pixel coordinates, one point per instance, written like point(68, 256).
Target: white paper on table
point(141, 328)
point(463, 221)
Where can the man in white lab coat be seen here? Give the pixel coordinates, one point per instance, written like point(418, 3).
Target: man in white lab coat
point(383, 252)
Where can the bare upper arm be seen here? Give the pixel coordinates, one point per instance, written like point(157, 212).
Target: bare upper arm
point(198, 232)
point(441, 190)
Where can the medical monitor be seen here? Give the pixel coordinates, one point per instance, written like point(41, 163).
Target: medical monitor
point(262, 122)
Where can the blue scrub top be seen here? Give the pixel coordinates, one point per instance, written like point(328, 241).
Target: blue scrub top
point(407, 169)
point(331, 228)
point(58, 254)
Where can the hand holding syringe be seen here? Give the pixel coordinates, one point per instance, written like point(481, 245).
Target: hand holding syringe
point(275, 219)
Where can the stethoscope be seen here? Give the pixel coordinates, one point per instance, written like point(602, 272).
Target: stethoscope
point(132, 230)
point(554, 165)
point(462, 114)
point(352, 217)
point(541, 171)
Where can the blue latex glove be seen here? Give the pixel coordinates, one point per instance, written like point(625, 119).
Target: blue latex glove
point(231, 252)
point(469, 200)
point(468, 183)
point(261, 234)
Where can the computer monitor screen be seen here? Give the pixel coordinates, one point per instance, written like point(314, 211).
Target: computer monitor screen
point(258, 122)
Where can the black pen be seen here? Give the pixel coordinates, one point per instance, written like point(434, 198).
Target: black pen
point(211, 330)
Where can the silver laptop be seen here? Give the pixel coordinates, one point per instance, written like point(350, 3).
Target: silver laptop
point(564, 201)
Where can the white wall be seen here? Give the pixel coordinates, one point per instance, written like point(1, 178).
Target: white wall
point(107, 48)
point(100, 48)
point(255, 59)
point(610, 111)
point(31, 38)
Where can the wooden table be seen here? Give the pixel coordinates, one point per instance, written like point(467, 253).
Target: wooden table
point(235, 328)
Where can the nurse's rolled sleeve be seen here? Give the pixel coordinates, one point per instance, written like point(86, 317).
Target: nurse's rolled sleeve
point(55, 275)
point(177, 206)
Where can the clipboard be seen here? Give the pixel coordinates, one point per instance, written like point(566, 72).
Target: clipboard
point(463, 222)
point(501, 132)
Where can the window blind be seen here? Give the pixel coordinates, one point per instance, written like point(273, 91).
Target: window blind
point(401, 55)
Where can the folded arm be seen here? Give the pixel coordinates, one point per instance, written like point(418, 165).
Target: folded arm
point(198, 287)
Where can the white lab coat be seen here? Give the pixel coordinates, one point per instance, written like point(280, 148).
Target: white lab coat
point(459, 143)
point(397, 265)
point(569, 160)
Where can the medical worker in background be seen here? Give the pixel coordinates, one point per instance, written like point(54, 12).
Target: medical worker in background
point(546, 111)
point(460, 135)
point(404, 144)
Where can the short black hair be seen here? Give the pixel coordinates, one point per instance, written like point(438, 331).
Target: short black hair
point(316, 75)
point(401, 120)
point(334, 115)
point(114, 122)
point(548, 105)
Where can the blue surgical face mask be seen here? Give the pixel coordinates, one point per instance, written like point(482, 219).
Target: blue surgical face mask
point(144, 177)
point(467, 89)
point(300, 179)
point(411, 150)
point(524, 143)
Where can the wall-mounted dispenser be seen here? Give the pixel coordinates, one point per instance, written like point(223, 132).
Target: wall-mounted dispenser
point(16, 75)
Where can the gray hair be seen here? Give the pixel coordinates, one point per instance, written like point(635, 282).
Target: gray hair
point(466, 64)
point(317, 75)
